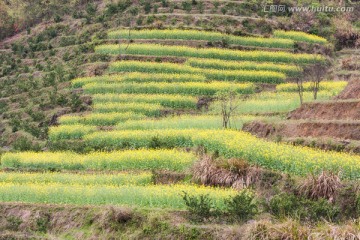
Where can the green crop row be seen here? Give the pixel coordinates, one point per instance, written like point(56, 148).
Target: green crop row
point(188, 88)
point(75, 131)
point(165, 100)
point(234, 144)
point(125, 160)
point(290, 70)
point(214, 53)
point(117, 179)
point(299, 36)
point(148, 109)
point(98, 119)
point(139, 77)
point(211, 74)
point(184, 122)
point(178, 34)
point(149, 196)
point(308, 86)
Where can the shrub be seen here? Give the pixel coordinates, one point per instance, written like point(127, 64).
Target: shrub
point(288, 205)
point(200, 207)
point(242, 206)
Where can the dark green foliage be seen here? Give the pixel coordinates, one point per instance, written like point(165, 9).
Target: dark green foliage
point(164, 3)
point(24, 144)
point(147, 7)
point(187, 6)
point(200, 207)
point(13, 223)
point(43, 223)
point(57, 19)
point(242, 206)
point(288, 205)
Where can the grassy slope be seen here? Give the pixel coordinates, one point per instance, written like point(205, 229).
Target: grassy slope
point(72, 48)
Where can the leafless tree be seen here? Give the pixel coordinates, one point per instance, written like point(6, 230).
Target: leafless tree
point(316, 75)
point(300, 88)
point(229, 103)
point(299, 79)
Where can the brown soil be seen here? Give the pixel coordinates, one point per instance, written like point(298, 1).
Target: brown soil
point(335, 120)
point(352, 91)
point(333, 110)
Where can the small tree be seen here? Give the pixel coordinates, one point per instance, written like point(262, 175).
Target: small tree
point(300, 88)
point(229, 103)
point(316, 74)
point(300, 85)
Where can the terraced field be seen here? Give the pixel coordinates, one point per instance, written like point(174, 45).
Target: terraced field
point(148, 116)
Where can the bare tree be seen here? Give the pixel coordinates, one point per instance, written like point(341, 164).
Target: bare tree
point(316, 76)
point(299, 79)
point(128, 43)
point(300, 88)
point(229, 103)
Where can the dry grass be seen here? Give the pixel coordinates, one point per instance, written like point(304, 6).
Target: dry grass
point(235, 173)
point(266, 230)
point(326, 186)
point(208, 173)
point(293, 230)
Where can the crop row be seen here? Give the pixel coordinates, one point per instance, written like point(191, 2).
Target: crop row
point(165, 100)
point(74, 131)
point(272, 102)
point(139, 77)
point(308, 86)
point(210, 74)
point(177, 34)
point(117, 179)
point(150, 196)
point(188, 88)
point(99, 119)
point(214, 53)
point(184, 122)
point(119, 160)
point(299, 36)
point(148, 109)
point(234, 144)
point(287, 69)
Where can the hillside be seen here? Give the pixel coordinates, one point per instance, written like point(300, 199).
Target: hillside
point(332, 124)
point(131, 120)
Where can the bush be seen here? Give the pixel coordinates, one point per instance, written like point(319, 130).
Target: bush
point(57, 19)
point(242, 206)
point(283, 205)
point(187, 6)
point(25, 144)
point(200, 207)
point(288, 205)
